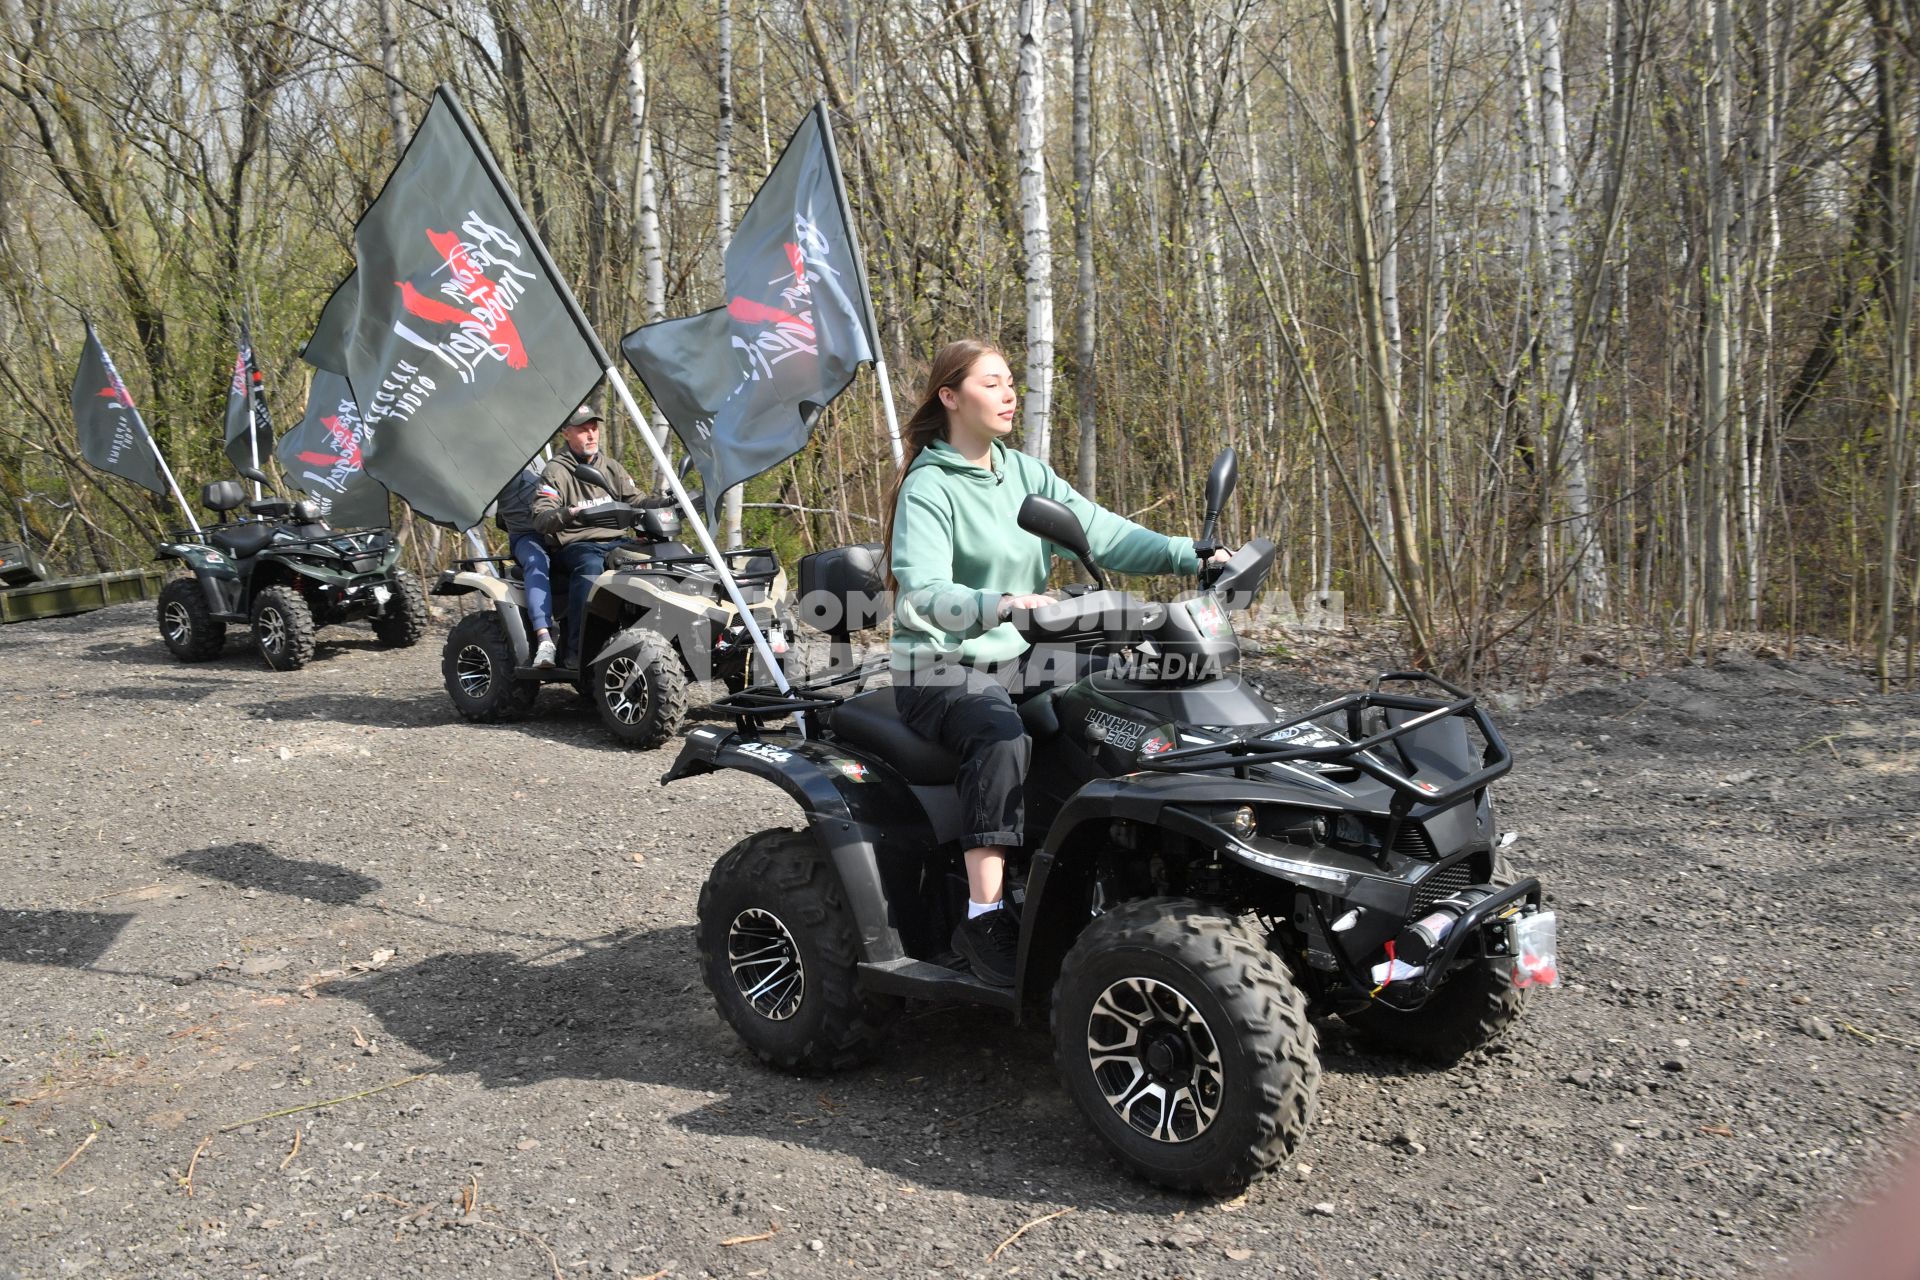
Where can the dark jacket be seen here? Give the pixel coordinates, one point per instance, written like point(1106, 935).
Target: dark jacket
point(513, 509)
point(561, 488)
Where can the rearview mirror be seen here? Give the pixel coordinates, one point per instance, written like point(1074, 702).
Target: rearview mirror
point(254, 474)
point(1046, 518)
point(1055, 522)
point(591, 474)
point(1221, 480)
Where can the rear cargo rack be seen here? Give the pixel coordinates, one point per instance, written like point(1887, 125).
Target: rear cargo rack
point(765, 702)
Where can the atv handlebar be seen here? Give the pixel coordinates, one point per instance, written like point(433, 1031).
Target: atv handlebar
point(1236, 753)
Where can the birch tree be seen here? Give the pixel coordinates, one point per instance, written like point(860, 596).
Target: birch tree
point(1569, 448)
point(1086, 299)
point(646, 225)
point(1031, 130)
point(731, 503)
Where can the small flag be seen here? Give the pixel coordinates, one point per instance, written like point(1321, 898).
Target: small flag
point(112, 436)
point(243, 392)
point(325, 457)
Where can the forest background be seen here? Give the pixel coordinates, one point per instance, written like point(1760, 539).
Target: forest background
point(1524, 315)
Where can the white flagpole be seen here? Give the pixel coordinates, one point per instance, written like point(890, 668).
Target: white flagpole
point(698, 524)
point(479, 545)
point(252, 434)
point(886, 401)
point(860, 272)
point(172, 484)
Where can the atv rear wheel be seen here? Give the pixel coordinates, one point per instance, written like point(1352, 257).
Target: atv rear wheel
point(778, 949)
point(477, 667)
point(283, 628)
point(640, 692)
point(187, 625)
point(1186, 1044)
point(405, 620)
point(1471, 1009)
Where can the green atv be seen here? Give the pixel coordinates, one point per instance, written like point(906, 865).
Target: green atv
point(284, 573)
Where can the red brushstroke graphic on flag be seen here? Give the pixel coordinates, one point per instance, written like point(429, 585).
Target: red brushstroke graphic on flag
point(747, 311)
point(491, 303)
point(343, 440)
point(116, 391)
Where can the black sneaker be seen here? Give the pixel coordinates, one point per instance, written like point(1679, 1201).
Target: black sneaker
point(990, 944)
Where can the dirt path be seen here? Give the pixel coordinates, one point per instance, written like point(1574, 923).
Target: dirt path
point(232, 893)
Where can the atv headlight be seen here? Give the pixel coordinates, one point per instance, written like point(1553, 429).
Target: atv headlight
point(1238, 820)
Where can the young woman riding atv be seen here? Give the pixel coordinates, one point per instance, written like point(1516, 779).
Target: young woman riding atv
point(959, 565)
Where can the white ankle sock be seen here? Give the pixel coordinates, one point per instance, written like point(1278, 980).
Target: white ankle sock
point(977, 909)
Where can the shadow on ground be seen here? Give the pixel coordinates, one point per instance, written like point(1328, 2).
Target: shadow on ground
point(67, 939)
point(254, 866)
point(958, 1097)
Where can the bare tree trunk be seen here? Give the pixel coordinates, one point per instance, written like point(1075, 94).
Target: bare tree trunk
point(1435, 404)
point(1087, 309)
point(1413, 572)
point(1899, 423)
point(723, 214)
point(1716, 388)
point(646, 223)
point(1387, 202)
point(390, 71)
point(1570, 439)
point(1031, 130)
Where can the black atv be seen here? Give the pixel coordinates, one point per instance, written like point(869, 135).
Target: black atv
point(1206, 873)
point(284, 573)
point(658, 619)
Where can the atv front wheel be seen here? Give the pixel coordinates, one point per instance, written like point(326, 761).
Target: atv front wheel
point(778, 949)
point(283, 628)
point(477, 667)
point(1471, 1009)
point(640, 692)
point(405, 619)
point(1186, 1044)
point(186, 623)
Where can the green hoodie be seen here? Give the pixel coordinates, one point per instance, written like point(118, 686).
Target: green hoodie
point(958, 547)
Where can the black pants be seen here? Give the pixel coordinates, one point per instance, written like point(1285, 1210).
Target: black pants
point(970, 712)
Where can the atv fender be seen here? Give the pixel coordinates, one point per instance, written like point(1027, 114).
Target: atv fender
point(219, 575)
point(467, 581)
point(860, 816)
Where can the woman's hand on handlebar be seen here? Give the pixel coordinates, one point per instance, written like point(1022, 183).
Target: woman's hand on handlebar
point(1009, 603)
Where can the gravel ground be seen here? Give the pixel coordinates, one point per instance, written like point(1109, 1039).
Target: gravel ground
point(233, 894)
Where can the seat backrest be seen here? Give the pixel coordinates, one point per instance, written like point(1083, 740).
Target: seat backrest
point(842, 589)
point(222, 495)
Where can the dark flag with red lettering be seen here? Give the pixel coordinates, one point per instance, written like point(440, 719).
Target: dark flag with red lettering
point(112, 436)
point(463, 347)
point(743, 384)
point(325, 457)
point(247, 410)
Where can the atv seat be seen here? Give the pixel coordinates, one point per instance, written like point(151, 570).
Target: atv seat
point(222, 496)
point(871, 720)
point(240, 540)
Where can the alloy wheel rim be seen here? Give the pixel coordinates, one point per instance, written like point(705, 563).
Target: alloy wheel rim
point(178, 624)
point(624, 685)
point(474, 670)
point(1155, 1060)
point(273, 630)
point(766, 965)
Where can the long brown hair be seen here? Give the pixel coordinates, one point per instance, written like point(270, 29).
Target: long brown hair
point(928, 423)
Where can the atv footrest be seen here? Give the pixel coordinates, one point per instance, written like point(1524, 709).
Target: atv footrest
point(547, 675)
point(918, 980)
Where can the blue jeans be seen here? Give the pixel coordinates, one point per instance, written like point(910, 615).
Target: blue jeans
point(535, 574)
point(584, 561)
